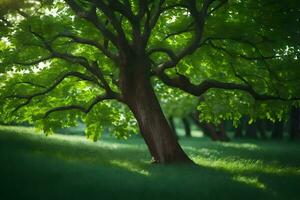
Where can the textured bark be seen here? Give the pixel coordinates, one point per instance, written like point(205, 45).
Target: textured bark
point(187, 127)
point(139, 95)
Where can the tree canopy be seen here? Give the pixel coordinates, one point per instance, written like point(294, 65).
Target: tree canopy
point(62, 60)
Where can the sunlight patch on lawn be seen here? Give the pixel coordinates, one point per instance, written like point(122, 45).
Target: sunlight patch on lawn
point(18, 129)
point(244, 165)
point(247, 146)
point(252, 181)
point(130, 167)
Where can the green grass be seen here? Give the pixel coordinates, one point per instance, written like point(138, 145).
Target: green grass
point(33, 166)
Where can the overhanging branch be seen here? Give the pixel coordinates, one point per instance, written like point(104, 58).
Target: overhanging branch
point(49, 89)
point(35, 62)
point(184, 84)
point(93, 43)
point(79, 107)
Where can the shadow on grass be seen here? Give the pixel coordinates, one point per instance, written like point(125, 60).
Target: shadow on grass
point(36, 167)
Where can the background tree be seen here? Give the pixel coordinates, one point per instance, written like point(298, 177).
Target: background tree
point(64, 59)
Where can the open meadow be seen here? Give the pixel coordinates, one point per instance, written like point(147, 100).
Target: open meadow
point(34, 166)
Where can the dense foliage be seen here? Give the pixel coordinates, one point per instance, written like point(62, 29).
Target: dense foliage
point(248, 51)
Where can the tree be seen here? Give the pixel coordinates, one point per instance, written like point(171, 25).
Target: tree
point(66, 59)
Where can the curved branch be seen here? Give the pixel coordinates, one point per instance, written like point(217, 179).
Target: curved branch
point(93, 43)
point(243, 56)
point(169, 52)
point(189, 28)
point(184, 84)
point(221, 3)
point(91, 16)
point(199, 19)
point(79, 107)
point(32, 84)
point(93, 68)
point(49, 89)
point(35, 62)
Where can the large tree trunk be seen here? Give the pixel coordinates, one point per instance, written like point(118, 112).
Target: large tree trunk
point(140, 97)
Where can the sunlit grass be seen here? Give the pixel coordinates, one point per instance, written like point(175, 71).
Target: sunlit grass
point(249, 169)
point(252, 181)
point(244, 165)
point(130, 167)
point(247, 146)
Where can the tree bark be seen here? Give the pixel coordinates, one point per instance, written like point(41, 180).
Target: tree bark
point(138, 94)
point(187, 127)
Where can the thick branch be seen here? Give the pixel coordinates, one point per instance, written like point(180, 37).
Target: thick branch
point(109, 12)
point(94, 68)
point(184, 84)
point(152, 18)
point(189, 28)
point(91, 16)
point(124, 10)
point(198, 17)
point(169, 52)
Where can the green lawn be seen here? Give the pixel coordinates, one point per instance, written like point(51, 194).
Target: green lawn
point(33, 166)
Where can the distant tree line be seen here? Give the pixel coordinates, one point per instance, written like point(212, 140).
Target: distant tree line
point(259, 129)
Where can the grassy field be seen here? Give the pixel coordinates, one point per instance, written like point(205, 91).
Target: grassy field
point(33, 166)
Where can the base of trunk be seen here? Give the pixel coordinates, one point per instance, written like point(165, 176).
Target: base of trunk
point(139, 95)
